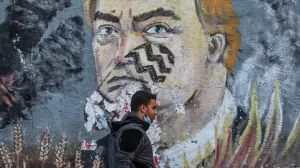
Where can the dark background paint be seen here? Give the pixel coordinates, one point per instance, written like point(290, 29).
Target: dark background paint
point(56, 92)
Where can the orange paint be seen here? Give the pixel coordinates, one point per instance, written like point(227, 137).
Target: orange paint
point(218, 17)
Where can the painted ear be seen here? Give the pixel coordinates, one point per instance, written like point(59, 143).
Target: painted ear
point(217, 47)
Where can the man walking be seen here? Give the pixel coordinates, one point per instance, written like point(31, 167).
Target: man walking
point(131, 146)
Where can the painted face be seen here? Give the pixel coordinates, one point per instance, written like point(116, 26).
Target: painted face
point(157, 44)
point(142, 43)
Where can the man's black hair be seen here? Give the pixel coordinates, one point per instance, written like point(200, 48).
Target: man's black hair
point(140, 98)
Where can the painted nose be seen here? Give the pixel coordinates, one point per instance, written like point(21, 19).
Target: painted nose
point(128, 41)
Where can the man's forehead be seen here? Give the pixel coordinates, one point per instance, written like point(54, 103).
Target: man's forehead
point(152, 102)
point(135, 7)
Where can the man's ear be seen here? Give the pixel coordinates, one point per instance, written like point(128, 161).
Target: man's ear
point(217, 47)
point(143, 108)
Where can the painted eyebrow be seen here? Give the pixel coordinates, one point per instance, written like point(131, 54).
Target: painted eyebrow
point(106, 17)
point(155, 13)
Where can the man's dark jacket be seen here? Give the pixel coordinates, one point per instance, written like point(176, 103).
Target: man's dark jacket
point(133, 147)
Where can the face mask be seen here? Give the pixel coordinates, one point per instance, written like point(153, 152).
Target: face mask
point(147, 119)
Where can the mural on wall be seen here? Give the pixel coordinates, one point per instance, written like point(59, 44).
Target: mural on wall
point(152, 46)
point(226, 76)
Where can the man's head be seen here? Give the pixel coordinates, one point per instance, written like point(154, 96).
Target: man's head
point(144, 104)
point(185, 48)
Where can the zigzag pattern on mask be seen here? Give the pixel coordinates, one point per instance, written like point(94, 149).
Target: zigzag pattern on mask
point(163, 49)
point(149, 68)
point(158, 58)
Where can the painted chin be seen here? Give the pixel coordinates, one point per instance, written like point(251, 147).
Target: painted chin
point(120, 86)
point(114, 91)
point(115, 88)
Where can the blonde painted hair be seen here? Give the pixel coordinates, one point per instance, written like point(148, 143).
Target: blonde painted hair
point(217, 16)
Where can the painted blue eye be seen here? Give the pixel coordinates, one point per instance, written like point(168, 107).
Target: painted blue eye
point(157, 30)
point(106, 31)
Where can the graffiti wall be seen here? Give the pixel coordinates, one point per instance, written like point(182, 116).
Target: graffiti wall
point(226, 75)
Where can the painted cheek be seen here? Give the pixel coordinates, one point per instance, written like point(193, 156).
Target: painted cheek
point(164, 34)
point(104, 60)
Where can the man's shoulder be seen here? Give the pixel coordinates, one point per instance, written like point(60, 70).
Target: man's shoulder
point(130, 139)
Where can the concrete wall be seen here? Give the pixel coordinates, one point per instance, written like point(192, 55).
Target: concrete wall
point(215, 109)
